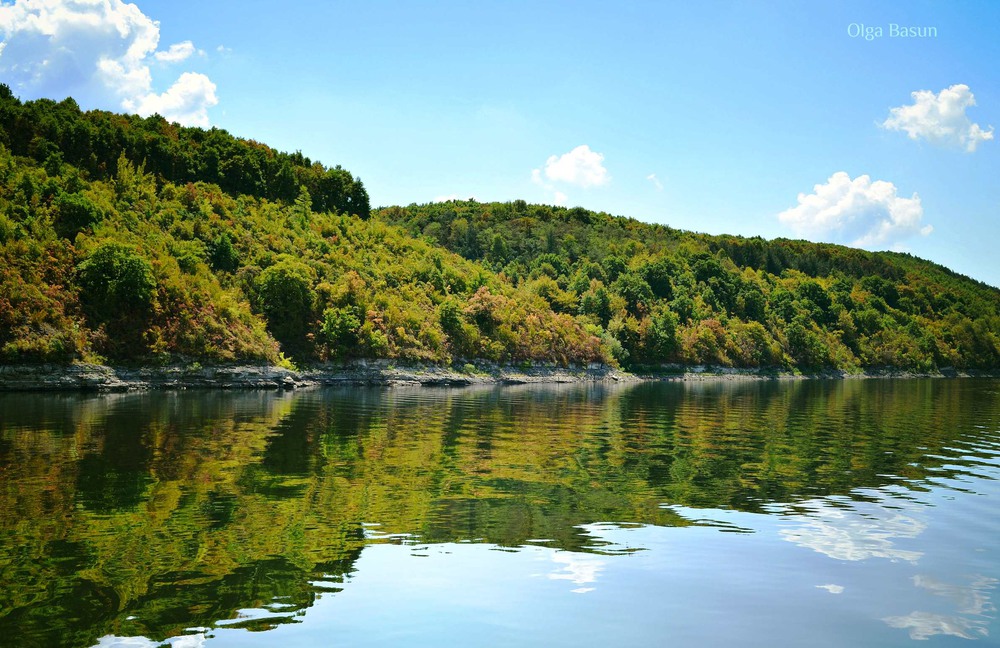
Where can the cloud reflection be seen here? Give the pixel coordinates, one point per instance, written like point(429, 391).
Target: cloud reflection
point(578, 569)
point(860, 532)
point(183, 641)
point(973, 604)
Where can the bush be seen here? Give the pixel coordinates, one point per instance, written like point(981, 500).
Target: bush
point(115, 281)
point(285, 295)
point(73, 214)
point(340, 329)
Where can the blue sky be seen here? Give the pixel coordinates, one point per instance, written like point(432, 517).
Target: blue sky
point(713, 117)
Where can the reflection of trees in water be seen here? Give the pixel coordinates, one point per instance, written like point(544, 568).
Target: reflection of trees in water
point(178, 505)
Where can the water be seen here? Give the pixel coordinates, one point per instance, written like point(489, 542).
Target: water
point(820, 513)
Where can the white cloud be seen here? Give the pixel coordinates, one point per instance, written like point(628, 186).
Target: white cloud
point(187, 101)
point(656, 181)
point(98, 52)
point(176, 52)
point(856, 212)
point(581, 167)
point(940, 118)
point(833, 589)
point(182, 641)
point(924, 625)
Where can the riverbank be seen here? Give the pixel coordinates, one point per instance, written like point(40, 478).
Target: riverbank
point(101, 378)
point(92, 377)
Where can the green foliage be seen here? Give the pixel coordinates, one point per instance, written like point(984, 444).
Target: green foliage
point(98, 142)
point(659, 336)
point(74, 213)
point(142, 241)
point(115, 281)
point(285, 295)
point(728, 300)
point(635, 291)
point(340, 329)
point(223, 255)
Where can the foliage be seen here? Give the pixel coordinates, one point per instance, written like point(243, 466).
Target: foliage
point(55, 133)
point(657, 295)
point(142, 241)
point(285, 295)
point(114, 279)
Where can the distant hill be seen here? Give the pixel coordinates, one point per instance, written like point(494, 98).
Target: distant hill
point(138, 241)
point(656, 294)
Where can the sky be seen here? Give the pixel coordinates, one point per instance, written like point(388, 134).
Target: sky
point(859, 123)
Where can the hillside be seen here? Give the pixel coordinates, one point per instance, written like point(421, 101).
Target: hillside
point(136, 241)
point(664, 295)
point(125, 261)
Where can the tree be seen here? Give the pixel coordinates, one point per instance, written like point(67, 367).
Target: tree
point(635, 291)
point(73, 214)
point(222, 255)
point(115, 280)
point(285, 295)
point(340, 329)
point(659, 336)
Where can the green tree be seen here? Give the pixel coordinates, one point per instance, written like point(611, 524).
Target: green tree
point(222, 255)
point(74, 213)
point(115, 280)
point(285, 294)
point(340, 329)
point(635, 291)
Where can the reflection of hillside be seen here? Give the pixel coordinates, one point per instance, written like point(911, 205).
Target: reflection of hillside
point(179, 509)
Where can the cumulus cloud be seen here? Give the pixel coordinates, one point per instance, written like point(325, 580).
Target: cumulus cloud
point(833, 589)
point(97, 51)
point(187, 101)
point(581, 167)
point(856, 212)
point(176, 52)
point(940, 118)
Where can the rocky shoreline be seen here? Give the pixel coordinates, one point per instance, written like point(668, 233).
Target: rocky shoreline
point(93, 377)
point(101, 378)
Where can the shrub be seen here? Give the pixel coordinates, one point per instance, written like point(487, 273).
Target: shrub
point(73, 214)
point(285, 295)
point(340, 329)
point(115, 280)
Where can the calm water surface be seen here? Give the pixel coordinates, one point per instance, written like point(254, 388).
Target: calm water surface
point(840, 513)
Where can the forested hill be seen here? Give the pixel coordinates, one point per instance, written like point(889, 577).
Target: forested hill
point(53, 133)
point(658, 294)
point(137, 241)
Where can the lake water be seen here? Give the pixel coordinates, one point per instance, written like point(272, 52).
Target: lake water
point(819, 513)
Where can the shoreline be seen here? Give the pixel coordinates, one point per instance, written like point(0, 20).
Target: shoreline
point(101, 378)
